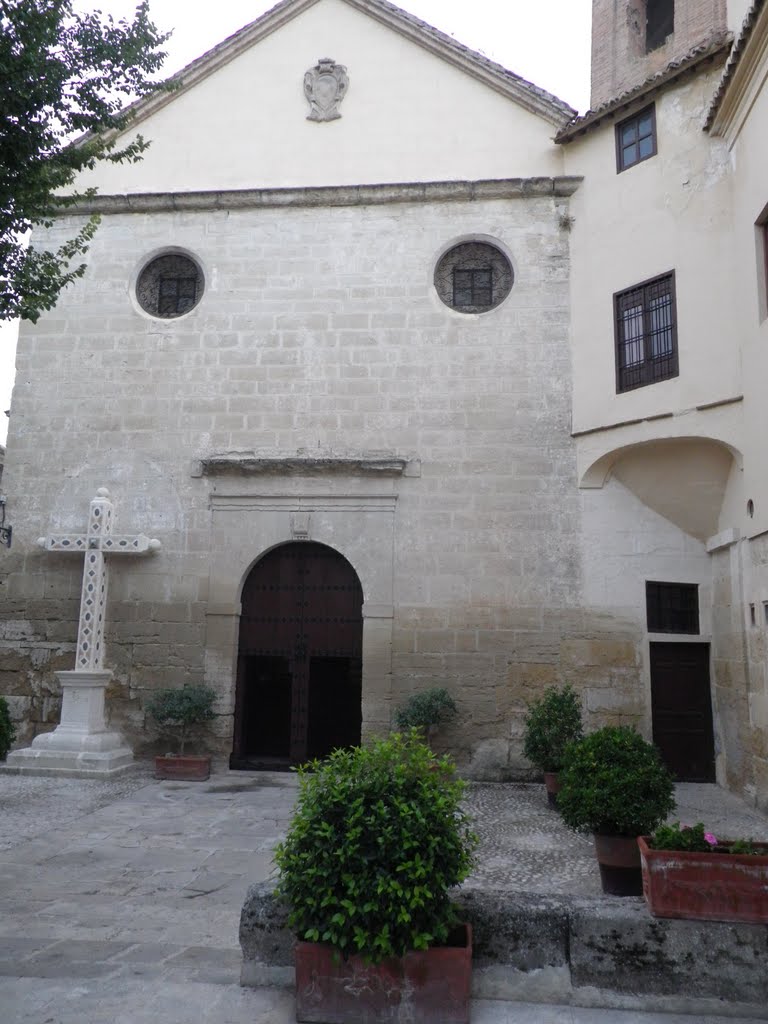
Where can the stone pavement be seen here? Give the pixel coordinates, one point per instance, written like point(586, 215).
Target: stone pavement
point(120, 900)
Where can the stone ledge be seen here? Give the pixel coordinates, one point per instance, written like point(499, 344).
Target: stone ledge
point(332, 195)
point(553, 949)
point(248, 463)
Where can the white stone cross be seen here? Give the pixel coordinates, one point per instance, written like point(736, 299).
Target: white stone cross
point(97, 542)
point(82, 743)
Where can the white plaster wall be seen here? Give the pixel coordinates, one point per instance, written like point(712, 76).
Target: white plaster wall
point(626, 544)
point(671, 212)
point(749, 157)
point(408, 116)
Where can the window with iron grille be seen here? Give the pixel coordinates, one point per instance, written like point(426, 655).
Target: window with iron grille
point(170, 285)
point(659, 24)
point(177, 295)
point(636, 139)
point(473, 277)
point(672, 607)
point(646, 333)
point(472, 287)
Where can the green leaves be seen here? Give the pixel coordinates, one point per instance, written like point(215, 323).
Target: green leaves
point(175, 710)
point(550, 725)
point(7, 731)
point(426, 710)
point(614, 783)
point(377, 842)
point(62, 74)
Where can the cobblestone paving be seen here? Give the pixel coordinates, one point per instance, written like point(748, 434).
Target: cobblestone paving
point(525, 846)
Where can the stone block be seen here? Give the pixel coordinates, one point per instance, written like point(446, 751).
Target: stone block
point(490, 760)
point(18, 707)
point(617, 945)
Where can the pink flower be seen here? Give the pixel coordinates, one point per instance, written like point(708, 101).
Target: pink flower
point(712, 840)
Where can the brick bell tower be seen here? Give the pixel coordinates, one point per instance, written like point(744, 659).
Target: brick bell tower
point(634, 39)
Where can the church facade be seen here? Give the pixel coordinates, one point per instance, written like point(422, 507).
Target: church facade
point(420, 380)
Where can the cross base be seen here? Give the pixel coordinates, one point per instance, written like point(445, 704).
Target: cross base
point(81, 745)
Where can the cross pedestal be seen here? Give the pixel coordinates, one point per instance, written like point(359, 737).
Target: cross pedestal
point(82, 744)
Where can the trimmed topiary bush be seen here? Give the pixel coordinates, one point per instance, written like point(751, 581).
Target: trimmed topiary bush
point(176, 711)
point(426, 710)
point(614, 783)
point(551, 724)
point(377, 842)
point(7, 731)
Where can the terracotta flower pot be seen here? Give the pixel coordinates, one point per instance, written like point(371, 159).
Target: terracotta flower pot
point(706, 886)
point(430, 986)
point(619, 861)
point(183, 768)
point(552, 782)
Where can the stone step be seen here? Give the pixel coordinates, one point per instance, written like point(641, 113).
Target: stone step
point(607, 952)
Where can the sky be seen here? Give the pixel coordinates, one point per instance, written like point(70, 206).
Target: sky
point(546, 42)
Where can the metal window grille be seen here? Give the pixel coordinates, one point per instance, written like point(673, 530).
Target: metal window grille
point(672, 607)
point(176, 295)
point(646, 334)
point(473, 287)
point(636, 138)
point(660, 23)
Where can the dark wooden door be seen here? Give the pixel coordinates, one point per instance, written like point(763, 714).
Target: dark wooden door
point(682, 710)
point(299, 682)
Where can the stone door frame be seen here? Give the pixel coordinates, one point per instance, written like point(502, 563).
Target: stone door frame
point(245, 527)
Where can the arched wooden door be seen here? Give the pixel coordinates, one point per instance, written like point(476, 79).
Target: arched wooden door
point(299, 680)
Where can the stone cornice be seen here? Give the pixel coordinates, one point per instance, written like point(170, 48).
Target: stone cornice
point(332, 195)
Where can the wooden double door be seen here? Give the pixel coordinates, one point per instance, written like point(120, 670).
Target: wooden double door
point(299, 682)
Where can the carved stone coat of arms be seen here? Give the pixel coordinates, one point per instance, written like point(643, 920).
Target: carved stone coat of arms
point(325, 86)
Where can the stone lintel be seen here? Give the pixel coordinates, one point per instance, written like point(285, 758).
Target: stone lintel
point(331, 195)
point(248, 463)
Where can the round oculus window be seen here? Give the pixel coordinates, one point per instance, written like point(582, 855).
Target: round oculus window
point(170, 286)
point(473, 277)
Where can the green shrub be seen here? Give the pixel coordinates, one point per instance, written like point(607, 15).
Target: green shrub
point(7, 731)
point(377, 841)
point(614, 783)
point(177, 711)
point(551, 724)
point(426, 710)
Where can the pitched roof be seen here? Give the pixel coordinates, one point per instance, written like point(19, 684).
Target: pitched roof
point(734, 60)
point(710, 51)
point(527, 95)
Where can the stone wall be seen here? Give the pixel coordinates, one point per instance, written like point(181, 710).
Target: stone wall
point(320, 341)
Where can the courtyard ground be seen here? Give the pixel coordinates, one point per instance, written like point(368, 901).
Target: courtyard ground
point(120, 900)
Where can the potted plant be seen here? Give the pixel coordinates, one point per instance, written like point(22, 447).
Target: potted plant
point(551, 724)
point(177, 711)
point(690, 873)
point(426, 711)
point(614, 784)
point(7, 731)
point(377, 842)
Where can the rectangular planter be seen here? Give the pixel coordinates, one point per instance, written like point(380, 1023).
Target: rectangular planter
point(186, 768)
point(430, 986)
point(706, 886)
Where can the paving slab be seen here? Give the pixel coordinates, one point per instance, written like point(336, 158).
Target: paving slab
point(120, 899)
